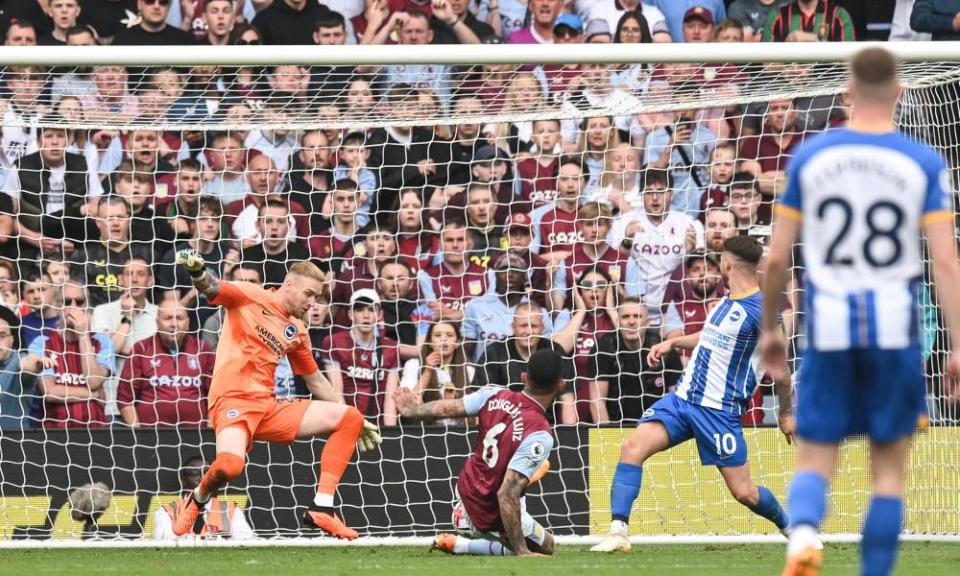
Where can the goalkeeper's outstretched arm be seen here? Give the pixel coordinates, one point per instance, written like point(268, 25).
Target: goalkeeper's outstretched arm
point(205, 282)
point(410, 407)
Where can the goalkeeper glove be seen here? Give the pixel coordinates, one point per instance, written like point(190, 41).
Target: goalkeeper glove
point(369, 437)
point(191, 260)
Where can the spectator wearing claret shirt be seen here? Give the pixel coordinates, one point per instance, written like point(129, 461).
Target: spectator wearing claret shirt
point(595, 315)
point(568, 29)
point(166, 380)
point(674, 11)
point(538, 173)
point(766, 154)
point(337, 245)
point(64, 14)
point(540, 31)
point(448, 286)
point(416, 242)
point(693, 289)
point(554, 225)
point(517, 239)
point(361, 364)
point(289, 21)
point(215, 25)
point(723, 163)
point(152, 28)
point(594, 220)
point(809, 21)
point(745, 203)
point(73, 392)
point(379, 246)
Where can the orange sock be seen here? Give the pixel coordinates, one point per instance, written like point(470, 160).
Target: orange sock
point(224, 469)
point(340, 447)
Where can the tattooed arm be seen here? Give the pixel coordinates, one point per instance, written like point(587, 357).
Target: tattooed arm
point(410, 407)
point(512, 489)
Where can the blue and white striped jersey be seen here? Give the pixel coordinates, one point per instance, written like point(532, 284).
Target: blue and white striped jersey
point(725, 367)
point(862, 199)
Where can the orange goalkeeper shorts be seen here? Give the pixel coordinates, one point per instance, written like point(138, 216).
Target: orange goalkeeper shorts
point(271, 419)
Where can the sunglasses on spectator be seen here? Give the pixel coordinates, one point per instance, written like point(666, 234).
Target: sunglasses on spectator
point(564, 32)
point(242, 42)
point(160, 2)
point(591, 285)
point(75, 301)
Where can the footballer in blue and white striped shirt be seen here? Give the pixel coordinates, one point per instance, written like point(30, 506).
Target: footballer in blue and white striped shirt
point(860, 197)
point(716, 386)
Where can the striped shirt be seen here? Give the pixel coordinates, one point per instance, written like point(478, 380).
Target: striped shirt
point(725, 366)
point(829, 22)
point(861, 199)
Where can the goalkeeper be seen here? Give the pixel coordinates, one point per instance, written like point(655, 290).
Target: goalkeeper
point(261, 327)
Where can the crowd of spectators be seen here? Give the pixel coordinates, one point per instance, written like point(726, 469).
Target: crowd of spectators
point(452, 252)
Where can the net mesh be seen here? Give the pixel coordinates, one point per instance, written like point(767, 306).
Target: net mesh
point(455, 193)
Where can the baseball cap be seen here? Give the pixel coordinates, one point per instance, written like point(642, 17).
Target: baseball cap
point(700, 13)
point(518, 220)
point(571, 21)
point(702, 255)
point(597, 28)
point(488, 153)
point(365, 296)
point(509, 261)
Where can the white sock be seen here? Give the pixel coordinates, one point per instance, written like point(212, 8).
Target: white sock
point(461, 545)
point(198, 498)
point(323, 500)
point(481, 547)
point(618, 527)
point(801, 538)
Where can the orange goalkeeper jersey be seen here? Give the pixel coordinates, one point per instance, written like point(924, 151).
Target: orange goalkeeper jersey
point(256, 334)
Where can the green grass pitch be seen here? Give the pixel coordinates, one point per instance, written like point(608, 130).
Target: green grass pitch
point(916, 559)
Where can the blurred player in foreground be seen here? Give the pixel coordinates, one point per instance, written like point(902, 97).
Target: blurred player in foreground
point(260, 328)
point(713, 393)
point(859, 197)
point(513, 448)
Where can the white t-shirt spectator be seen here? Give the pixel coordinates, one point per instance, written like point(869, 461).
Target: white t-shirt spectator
point(611, 11)
point(657, 249)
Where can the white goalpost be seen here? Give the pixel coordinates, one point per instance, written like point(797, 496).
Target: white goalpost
point(248, 153)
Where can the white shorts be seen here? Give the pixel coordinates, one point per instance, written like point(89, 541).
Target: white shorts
point(532, 530)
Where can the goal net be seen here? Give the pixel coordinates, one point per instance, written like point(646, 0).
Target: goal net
point(465, 214)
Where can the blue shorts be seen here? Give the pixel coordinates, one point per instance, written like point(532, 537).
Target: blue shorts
point(719, 434)
point(872, 392)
